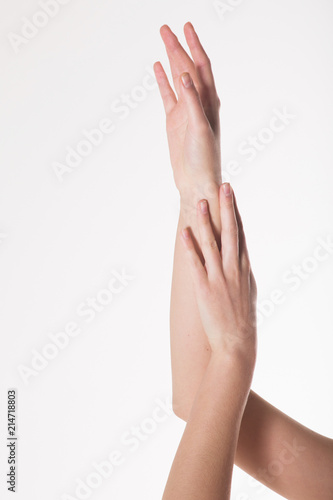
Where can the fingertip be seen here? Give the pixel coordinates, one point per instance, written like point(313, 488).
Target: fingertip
point(226, 192)
point(187, 239)
point(191, 35)
point(158, 69)
point(164, 31)
point(163, 28)
point(158, 72)
point(226, 188)
point(167, 34)
point(203, 207)
point(156, 65)
point(188, 25)
point(185, 234)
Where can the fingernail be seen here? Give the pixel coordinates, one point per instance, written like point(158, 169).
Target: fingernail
point(226, 189)
point(203, 207)
point(187, 80)
point(185, 234)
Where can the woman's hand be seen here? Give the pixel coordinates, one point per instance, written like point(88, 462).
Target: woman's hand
point(192, 120)
point(224, 285)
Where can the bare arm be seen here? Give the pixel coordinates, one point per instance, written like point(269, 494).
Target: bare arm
point(261, 450)
point(193, 131)
point(202, 468)
point(284, 455)
point(226, 295)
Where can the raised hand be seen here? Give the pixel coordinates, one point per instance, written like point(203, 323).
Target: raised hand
point(192, 114)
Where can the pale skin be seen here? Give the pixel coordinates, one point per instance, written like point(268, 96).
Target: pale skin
point(226, 296)
point(266, 437)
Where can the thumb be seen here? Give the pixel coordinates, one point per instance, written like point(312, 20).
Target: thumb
point(191, 98)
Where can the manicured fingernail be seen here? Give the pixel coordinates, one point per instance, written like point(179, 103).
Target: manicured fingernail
point(187, 80)
point(185, 234)
point(226, 189)
point(203, 207)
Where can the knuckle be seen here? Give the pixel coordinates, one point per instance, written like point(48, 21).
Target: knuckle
point(211, 244)
point(204, 61)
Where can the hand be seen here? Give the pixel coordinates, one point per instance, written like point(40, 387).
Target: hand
point(224, 285)
point(192, 121)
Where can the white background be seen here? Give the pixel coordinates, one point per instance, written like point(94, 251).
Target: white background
point(60, 240)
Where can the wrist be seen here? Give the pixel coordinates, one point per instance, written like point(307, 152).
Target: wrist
point(237, 355)
point(193, 193)
point(230, 370)
point(197, 189)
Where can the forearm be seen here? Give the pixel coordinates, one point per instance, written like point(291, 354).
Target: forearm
point(278, 451)
point(190, 351)
point(284, 455)
point(202, 468)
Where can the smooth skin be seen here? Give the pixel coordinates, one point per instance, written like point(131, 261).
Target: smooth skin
point(266, 435)
point(226, 296)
